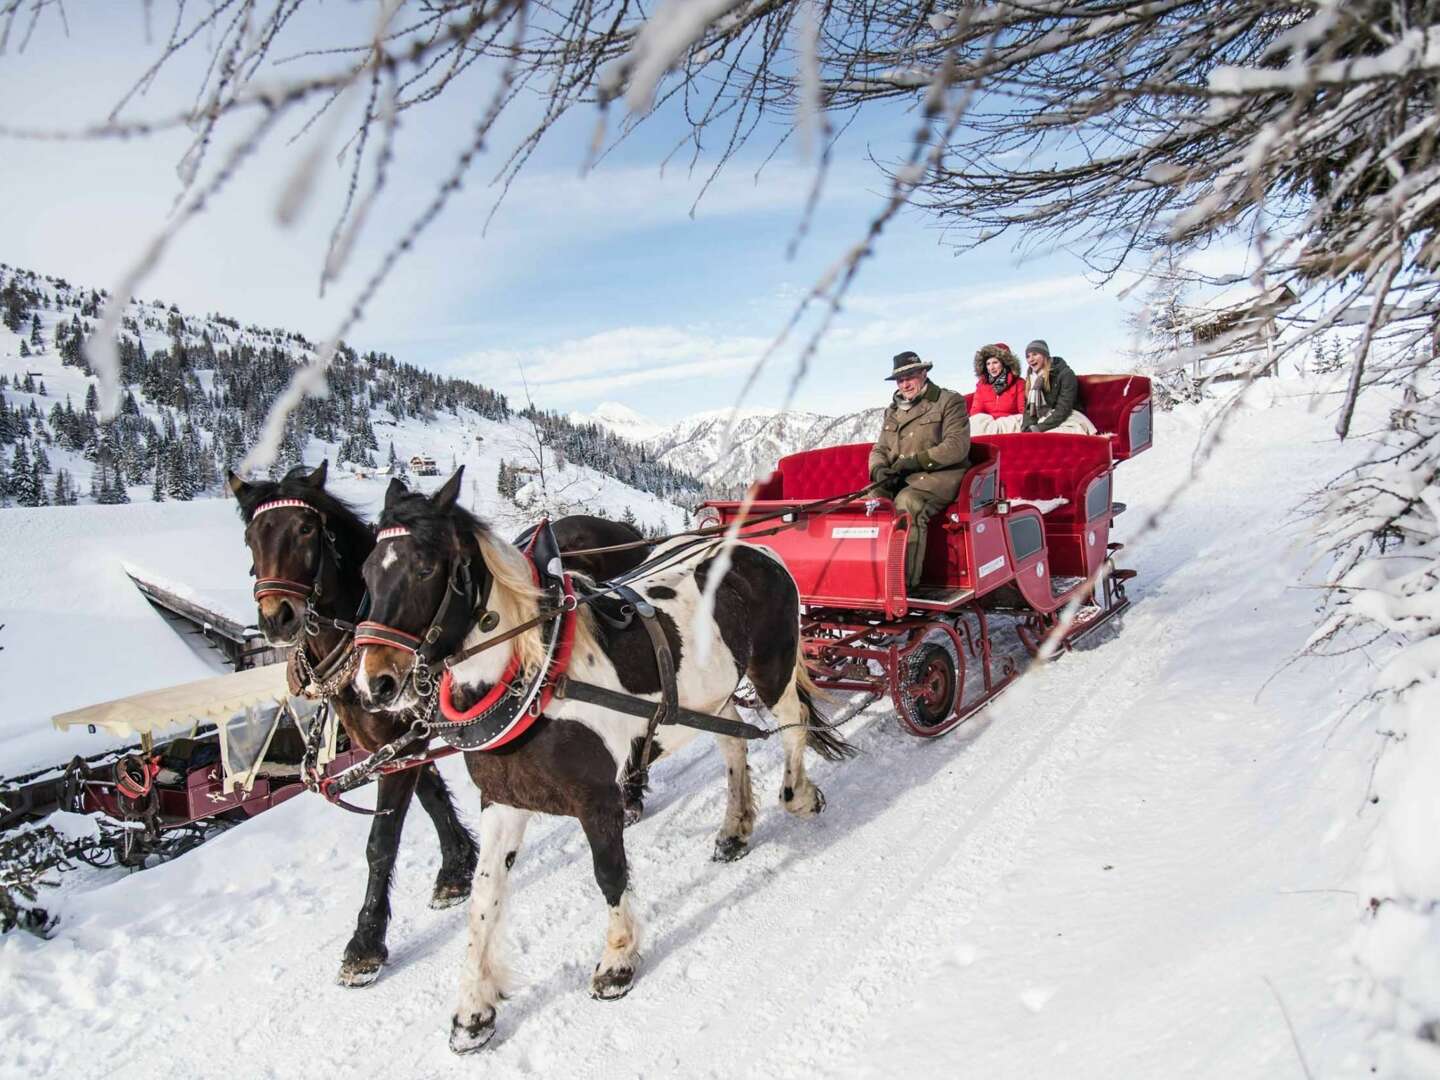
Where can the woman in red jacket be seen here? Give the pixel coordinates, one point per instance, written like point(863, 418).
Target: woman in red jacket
point(999, 393)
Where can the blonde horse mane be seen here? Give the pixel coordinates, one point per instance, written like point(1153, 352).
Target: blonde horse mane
point(515, 599)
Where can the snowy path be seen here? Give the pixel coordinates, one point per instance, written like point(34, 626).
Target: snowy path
point(1104, 876)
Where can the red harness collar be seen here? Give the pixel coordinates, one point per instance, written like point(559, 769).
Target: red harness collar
point(559, 663)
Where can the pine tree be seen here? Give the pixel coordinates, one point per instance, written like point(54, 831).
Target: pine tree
point(22, 477)
point(157, 490)
point(24, 348)
point(179, 484)
point(65, 493)
point(37, 343)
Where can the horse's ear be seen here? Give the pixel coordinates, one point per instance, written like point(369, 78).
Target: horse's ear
point(449, 491)
point(317, 478)
point(237, 486)
point(396, 489)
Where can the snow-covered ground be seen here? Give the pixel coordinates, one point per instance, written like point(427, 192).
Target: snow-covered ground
point(1138, 863)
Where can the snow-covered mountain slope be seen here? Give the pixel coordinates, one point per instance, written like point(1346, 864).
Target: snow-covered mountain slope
point(197, 390)
point(1138, 863)
point(697, 443)
point(622, 420)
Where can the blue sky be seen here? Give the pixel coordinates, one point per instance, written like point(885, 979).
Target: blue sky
point(597, 289)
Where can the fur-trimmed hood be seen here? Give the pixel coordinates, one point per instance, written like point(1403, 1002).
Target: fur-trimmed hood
point(1008, 358)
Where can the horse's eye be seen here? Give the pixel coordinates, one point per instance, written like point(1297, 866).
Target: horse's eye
point(307, 530)
point(425, 572)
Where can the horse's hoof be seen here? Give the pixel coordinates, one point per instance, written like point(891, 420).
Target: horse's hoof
point(467, 1038)
point(449, 893)
point(612, 985)
point(730, 849)
point(358, 973)
point(633, 812)
point(799, 809)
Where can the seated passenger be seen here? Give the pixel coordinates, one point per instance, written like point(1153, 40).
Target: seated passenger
point(1000, 391)
point(922, 451)
point(1052, 394)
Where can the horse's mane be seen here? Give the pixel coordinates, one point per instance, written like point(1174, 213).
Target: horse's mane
point(514, 596)
point(354, 539)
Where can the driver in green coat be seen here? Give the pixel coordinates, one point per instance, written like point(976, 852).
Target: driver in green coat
point(922, 451)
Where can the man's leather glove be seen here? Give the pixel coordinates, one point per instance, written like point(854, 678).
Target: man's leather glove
point(883, 474)
point(1028, 424)
point(906, 465)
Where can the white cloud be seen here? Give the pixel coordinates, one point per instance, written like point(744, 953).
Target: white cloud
point(945, 325)
point(612, 359)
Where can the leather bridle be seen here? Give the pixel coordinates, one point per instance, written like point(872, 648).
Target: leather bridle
point(310, 594)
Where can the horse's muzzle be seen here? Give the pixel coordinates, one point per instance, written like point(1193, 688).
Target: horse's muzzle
point(378, 684)
point(280, 621)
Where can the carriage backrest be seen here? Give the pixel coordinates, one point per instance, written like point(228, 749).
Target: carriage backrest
point(819, 474)
point(836, 470)
point(1119, 405)
point(1046, 466)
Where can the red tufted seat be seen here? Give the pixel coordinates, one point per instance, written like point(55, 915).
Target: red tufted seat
point(819, 474)
point(836, 470)
point(1112, 402)
point(1041, 466)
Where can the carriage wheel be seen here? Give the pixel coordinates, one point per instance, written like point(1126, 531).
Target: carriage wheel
point(931, 692)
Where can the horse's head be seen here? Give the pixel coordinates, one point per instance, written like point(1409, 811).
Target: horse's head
point(423, 578)
point(287, 531)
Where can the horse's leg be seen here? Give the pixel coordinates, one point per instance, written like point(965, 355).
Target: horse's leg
point(604, 825)
point(457, 846)
point(734, 839)
point(366, 952)
point(632, 786)
point(482, 983)
point(797, 794)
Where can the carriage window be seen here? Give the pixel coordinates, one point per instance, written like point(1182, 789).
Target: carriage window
point(1097, 498)
point(1026, 536)
point(1140, 421)
point(982, 493)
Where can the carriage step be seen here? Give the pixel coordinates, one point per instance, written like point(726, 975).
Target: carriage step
point(1117, 508)
point(938, 596)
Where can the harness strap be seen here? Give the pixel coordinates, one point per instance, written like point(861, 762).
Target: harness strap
point(281, 587)
point(574, 690)
point(374, 633)
point(665, 667)
point(284, 504)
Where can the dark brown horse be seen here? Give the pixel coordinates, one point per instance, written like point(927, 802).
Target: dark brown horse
point(309, 546)
point(570, 761)
point(312, 551)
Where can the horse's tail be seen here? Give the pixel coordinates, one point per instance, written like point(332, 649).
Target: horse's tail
point(820, 736)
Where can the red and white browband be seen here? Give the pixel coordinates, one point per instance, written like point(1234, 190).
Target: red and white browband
point(282, 504)
point(391, 533)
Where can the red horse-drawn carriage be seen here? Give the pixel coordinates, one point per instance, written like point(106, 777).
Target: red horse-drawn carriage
point(1028, 535)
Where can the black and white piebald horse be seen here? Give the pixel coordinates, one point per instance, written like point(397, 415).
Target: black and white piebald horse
point(308, 548)
point(564, 756)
